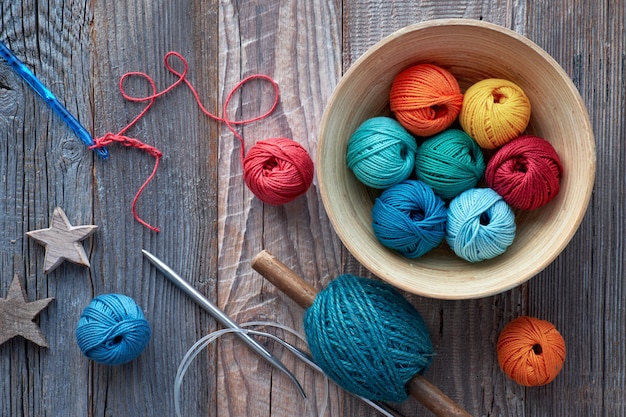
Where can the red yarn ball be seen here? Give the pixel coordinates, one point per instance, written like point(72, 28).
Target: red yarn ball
point(526, 172)
point(278, 170)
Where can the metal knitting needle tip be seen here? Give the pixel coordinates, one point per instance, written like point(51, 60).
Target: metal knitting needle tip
point(221, 317)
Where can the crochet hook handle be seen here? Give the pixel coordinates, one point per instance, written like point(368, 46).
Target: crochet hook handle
point(51, 100)
point(296, 288)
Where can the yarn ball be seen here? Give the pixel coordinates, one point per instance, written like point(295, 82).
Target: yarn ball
point(450, 163)
point(531, 351)
point(526, 172)
point(494, 112)
point(480, 226)
point(278, 170)
point(381, 152)
point(112, 330)
point(409, 218)
point(367, 337)
point(426, 99)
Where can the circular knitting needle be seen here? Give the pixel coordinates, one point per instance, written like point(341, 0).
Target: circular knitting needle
point(221, 317)
point(304, 294)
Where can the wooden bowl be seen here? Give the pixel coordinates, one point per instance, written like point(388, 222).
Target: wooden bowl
point(472, 51)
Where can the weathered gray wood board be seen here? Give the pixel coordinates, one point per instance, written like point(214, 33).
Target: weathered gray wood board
point(212, 226)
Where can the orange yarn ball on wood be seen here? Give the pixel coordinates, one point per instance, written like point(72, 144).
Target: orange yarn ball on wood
point(425, 99)
point(531, 351)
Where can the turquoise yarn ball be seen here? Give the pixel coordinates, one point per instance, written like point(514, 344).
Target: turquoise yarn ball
point(450, 162)
point(112, 330)
point(367, 337)
point(481, 225)
point(381, 152)
point(410, 218)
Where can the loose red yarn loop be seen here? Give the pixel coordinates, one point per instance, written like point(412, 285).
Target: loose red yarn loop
point(526, 172)
point(531, 351)
point(278, 170)
point(426, 99)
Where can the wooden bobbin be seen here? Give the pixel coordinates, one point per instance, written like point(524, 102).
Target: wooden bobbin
point(300, 291)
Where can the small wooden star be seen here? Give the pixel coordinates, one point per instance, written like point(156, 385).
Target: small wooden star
point(16, 315)
point(61, 240)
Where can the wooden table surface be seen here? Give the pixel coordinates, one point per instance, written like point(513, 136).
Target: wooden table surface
point(212, 226)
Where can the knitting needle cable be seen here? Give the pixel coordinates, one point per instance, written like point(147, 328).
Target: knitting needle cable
point(220, 316)
point(205, 341)
point(49, 98)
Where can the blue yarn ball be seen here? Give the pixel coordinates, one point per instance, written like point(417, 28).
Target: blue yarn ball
point(367, 337)
point(112, 330)
point(481, 225)
point(409, 218)
point(381, 152)
point(450, 162)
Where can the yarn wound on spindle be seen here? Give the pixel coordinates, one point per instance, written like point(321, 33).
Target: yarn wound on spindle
point(381, 152)
point(526, 172)
point(426, 99)
point(410, 218)
point(367, 337)
point(278, 170)
point(450, 163)
point(480, 225)
point(531, 351)
point(494, 111)
point(112, 330)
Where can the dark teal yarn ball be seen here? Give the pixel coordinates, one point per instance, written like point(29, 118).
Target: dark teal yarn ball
point(410, 218)
point(112, 330)
point(481, 225)
point(367, 337)
point(381, 152)
point(450, 162)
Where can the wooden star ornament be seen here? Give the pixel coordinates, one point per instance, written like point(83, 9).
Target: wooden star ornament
point(62, 241)
point(16, 315)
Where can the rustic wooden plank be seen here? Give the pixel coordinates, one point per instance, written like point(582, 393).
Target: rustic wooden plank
point(44, 166)
point(298, 44)
point(582, 292)
point(181, 201)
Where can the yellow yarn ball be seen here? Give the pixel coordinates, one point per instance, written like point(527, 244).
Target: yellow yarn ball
point(494, 111)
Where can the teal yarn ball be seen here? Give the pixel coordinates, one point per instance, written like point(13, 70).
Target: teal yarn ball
point(450, 162)
point(409, 218)
point(367, 337)
point(381, 152)
point(112, 330)
point(481, 225)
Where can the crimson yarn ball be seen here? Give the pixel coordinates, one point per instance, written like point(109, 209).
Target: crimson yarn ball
point(278, 170)
point(526, 172)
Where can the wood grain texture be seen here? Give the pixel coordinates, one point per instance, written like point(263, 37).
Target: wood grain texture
point(212, 226)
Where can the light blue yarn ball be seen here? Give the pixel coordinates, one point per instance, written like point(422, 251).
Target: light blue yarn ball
point(481, 225)
point(381, 152)
point(410, 218)
point(112, 330)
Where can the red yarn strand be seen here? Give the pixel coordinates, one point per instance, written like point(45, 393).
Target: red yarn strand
point(305, 171)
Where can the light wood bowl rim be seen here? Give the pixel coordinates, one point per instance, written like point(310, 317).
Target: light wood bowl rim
point(439, 274)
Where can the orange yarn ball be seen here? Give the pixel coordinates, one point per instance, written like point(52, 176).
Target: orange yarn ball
point(425, 99)
point(531, 351)
point(494, 112)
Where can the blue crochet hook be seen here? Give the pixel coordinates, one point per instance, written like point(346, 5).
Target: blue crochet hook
point(53, 102)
